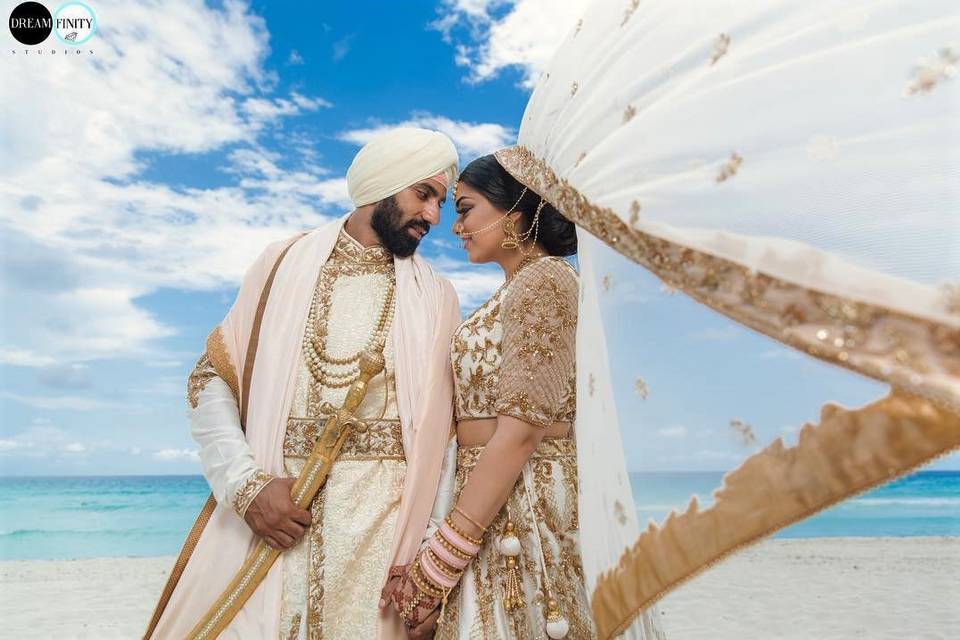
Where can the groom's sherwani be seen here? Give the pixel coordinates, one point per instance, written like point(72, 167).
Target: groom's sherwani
point(325, 303)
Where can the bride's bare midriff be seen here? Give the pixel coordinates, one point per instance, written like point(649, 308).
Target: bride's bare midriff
point(477, 432)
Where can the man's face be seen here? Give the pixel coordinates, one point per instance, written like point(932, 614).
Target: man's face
point(403, 219)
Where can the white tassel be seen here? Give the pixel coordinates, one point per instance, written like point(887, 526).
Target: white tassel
point(557, 625)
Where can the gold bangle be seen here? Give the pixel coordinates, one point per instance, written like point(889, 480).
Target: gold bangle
point(466, 537)
point(430, 589)
point(452, 548)
point(442, 566)
point(469, 519)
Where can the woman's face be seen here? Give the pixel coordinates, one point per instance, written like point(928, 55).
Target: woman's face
point(476, 213)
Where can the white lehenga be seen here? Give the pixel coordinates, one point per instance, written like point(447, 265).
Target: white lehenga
point(515, 356)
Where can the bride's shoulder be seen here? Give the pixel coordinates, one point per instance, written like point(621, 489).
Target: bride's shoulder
point(546, 271)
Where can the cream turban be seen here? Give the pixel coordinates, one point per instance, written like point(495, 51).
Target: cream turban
point(397, 159)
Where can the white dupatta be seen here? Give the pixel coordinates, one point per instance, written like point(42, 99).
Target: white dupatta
point(794, 167)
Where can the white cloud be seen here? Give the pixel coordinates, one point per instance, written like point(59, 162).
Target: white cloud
point(295, 59)
point(164, 386)
point(85, 234)
point(676, 431)
point(474, 283)
point(342, 47)
point(167, 455)
point(525, 36)
point(37, 441)
point(471, 138)
point(74, 447)
point(25, 358)
point(265, 110)
point(162, 364)
point(63, 403)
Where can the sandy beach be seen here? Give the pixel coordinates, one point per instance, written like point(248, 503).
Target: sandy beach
point(811, 589)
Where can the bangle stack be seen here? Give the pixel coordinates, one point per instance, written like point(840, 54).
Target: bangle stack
point(441, 563)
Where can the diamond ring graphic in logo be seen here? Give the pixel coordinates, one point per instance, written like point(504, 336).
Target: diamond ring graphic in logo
point(74, 23)
point(30, 23)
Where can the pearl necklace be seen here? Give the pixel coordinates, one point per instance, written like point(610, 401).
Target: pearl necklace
point(319, 361)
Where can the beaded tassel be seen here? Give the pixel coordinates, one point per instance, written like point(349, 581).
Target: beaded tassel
point(510, 547)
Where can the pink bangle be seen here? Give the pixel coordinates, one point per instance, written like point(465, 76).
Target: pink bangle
point(458, 540)
point(437, 576)
point(444, 554)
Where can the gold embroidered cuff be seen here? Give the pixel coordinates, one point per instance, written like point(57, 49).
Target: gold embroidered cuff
point(249, 490)
point(203, 373)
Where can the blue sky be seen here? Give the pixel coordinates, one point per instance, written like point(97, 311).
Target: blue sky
point(137, 182)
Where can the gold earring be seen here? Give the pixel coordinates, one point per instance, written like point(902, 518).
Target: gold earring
point(511, 240)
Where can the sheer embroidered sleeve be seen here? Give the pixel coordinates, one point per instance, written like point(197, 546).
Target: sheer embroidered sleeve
point(537, 376)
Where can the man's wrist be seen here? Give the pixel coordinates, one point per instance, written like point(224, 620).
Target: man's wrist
point(248, 491)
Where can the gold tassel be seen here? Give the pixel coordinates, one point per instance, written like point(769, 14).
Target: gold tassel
point(513, 596)
point(443, 607)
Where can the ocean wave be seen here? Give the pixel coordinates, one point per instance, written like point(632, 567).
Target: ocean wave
point(94, 506)
point(907, 502)
point(24, 533)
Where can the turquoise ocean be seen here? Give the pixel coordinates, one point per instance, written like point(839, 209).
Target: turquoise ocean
point(94, 517)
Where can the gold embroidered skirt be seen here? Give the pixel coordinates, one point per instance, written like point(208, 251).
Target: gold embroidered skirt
point(332, 577)
point(543, 509)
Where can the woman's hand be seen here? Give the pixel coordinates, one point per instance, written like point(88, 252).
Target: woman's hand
point(418, 611)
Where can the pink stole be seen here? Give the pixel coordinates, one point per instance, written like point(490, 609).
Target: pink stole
point(427, 313)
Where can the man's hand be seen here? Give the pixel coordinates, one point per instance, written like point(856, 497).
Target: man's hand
point(273, 516)
point(426, 629)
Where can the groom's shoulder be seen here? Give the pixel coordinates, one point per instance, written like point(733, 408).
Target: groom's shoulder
point(429, 270)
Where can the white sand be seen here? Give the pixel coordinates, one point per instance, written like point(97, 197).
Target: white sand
point(906, 588)
point(822, 589)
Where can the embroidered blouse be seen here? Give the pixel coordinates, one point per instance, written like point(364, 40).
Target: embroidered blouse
point(515, 355)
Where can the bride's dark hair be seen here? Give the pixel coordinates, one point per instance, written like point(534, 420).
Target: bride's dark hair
point(557, 234)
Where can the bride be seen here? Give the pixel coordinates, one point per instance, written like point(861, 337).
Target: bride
point(787, 167)
point(505, 562)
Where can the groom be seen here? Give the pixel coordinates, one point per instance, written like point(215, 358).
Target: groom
point(286, 352)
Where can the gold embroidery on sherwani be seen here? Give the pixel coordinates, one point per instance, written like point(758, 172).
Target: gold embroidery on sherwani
point(381, 440)
point(220, 360)
point(334, 578)
point(315, 588)
point(249, 490)
point(202, 373)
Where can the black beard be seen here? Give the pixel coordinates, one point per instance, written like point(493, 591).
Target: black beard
point(387, 221)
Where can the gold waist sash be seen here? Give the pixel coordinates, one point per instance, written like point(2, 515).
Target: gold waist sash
point(382, 440)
